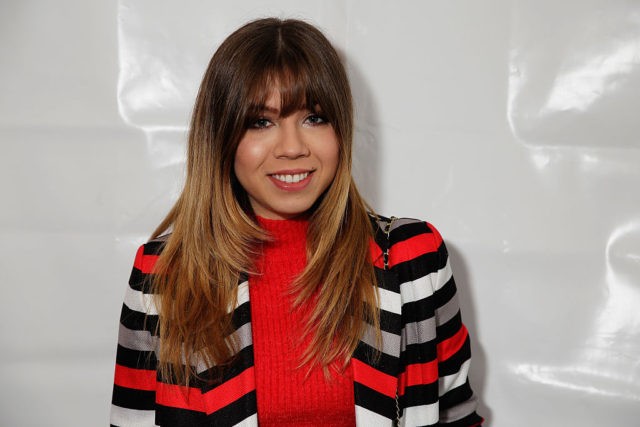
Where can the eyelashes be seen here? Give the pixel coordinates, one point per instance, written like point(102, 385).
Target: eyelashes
point(263, 122)
point(259, 123)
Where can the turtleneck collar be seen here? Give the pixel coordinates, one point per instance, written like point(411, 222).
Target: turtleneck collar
point(285, 231)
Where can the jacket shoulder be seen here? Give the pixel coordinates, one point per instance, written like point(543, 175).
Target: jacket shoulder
point(145, 261)
point(393, 230)
point(155, 245)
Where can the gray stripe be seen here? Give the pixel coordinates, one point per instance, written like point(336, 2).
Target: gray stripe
point(459, 411)
point(390, 342)
point(243, 337)
point(447, 311)
point(418, 332)
point(399, 222)
point(137, 340)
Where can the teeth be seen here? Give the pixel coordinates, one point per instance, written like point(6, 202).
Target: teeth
point(291, 179)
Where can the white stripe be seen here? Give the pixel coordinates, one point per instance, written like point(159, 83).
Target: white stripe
point(443, 276)
point(252, 421)
point(420, 415)
point(145, 303)
point(139, 301)
point(390, 301)
point(454, 380)
point(137, 339)
point(125, 417)
point(243, 295)
point(416, 290)
point(367, 418)
point(425, 286)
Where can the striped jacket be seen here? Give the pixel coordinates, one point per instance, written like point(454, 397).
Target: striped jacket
point(420, 379)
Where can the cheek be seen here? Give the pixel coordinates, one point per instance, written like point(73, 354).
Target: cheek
point(248, 158)
point(331, 156)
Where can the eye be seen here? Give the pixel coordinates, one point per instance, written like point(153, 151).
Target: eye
point(260, 123)
point(315, 120)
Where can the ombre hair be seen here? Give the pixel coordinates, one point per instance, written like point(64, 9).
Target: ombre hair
point(214, 235)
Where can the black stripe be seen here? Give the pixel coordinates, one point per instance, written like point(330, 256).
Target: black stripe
point(217, 375)
point(140, 281)
point(235, 412)
point(136, 359)
point(138, 321)
point(132, 398)
point(154, 247)
point(419, 353)
point(423, 394)
point(390, 322)
point(420, 266)
point(387, 279)
point(374, 401)
point(407, 231)
point(452, 364)
point(449, 328)
point(386, 363)
point(417, 311)
point(227, 416)
point(241, 315)
point(456, 396)
point(446, 293)
point(169, 416)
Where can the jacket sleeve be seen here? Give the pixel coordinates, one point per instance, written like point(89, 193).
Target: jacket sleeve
point(134, 389)
point(433, 389)
point(457, 403)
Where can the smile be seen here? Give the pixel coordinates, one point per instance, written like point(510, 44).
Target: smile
point(291, 179)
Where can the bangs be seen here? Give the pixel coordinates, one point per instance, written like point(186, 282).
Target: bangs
point(296, 89)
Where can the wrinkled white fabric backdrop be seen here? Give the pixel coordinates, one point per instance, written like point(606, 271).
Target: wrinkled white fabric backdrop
point(511, 125)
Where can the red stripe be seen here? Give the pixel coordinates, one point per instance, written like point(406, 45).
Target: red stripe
point(139, 379)
point(376, 254)
point(191, 398)
point(230, 391)
point(374, 379)
point(178, 396)
point(451, 346)
point(145, 263)
point(437, 237)
point(412, 248)
point(417, 374)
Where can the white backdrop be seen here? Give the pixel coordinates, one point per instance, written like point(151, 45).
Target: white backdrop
point(511, 125)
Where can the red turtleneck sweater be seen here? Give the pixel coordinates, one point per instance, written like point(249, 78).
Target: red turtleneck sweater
point(285, 396)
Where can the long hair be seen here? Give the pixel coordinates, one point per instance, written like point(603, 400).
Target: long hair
point(214, 234)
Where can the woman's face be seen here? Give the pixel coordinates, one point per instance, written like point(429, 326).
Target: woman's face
point(286, 163)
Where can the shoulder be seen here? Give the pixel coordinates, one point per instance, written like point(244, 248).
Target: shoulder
point(412, 248)
point(406, 237)
point(145, 260)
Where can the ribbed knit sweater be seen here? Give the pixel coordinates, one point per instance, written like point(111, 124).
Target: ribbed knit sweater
point(285, 396)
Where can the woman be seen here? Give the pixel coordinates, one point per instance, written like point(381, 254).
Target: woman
point(277, 297)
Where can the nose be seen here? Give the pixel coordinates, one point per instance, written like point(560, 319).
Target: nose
point(291, 142)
